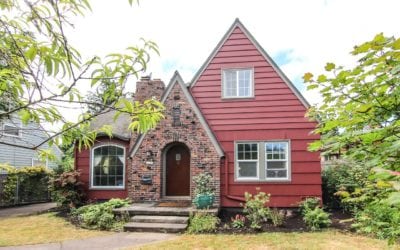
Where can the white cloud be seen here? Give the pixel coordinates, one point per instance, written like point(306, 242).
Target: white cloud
point(314, 31)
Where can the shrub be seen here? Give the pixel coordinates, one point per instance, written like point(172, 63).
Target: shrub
point(27, 184)
point(203, 184)
point(376, 205)
point(101, 216)
point(203, 223)
point(316, 219)
point(342, 176)
point(67, 190)
point(255, 209)
point(276, 217)
point(309, 203)
point(380, 220)
point(238, 221)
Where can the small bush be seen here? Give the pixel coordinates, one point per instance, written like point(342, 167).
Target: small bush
point(67, 190)
point(100, 216)
point(276, 217)
point(308, 204)
point(203, 184)
point(316, 219)
point(24, 185)
point(238, 221)
point(342, 176)
point(380, 220)
point(203, 223)
point(255, 209)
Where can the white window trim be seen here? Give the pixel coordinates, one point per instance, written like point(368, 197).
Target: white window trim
point(237, 82)
point(287, 160)
point(261, 165)
point(37, 159)
point(12, 125)
point(237, 162)
point(92, 172)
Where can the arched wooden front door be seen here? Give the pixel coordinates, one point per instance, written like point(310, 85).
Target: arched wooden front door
point(177, 171)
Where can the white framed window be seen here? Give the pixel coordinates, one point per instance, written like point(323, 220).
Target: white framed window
point(262, 161)
point(10, 129)
point(108, 167)
point(37, 162)
point(247, 160)
point(276, 160)
point(237, 83)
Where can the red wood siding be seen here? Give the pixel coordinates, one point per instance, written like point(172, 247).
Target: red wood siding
point(82, 164)
point(274, 113)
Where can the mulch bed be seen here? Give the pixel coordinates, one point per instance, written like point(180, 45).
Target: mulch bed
point(293, 223)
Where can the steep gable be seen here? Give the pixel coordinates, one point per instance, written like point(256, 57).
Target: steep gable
point(177, 80)
point(238, 48)
point(273, 111)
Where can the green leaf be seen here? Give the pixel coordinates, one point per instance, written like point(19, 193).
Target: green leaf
point(322, 78)
point(308, 77)
point(330, 66)
point(31, 53)
point(393, 199)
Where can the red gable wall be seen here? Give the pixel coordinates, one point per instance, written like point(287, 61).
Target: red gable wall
point(274, 113)
point(82, 164)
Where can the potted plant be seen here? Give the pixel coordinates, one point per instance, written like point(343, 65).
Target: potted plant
point(204, 192)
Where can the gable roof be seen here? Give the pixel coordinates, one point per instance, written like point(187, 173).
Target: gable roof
point(238, 24)
point(177, 79)
point(119, 126)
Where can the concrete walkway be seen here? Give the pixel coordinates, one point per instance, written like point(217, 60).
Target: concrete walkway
point(114, 241)
point(27, 209)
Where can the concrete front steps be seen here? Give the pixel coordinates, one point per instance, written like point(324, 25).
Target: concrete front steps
point(148, 217)
point(157, 223)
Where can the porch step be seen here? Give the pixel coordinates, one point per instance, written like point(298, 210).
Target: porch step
point(153, 209)
point(155, 227)
point(160, 219)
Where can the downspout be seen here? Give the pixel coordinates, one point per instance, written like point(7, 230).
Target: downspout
point(227, 195)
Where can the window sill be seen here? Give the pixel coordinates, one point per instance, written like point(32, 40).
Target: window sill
point(249, 181)
point(237, 98)
point(107, 188)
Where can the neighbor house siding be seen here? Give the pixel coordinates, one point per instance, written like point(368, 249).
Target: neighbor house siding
point(274, 113)
point(82, 164)
point(31, 135)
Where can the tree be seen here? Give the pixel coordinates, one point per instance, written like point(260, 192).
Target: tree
point(361, 105)
point(42, 74)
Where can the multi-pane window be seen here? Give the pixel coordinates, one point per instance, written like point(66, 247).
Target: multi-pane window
point(276, 157)
point(247, 160)
point(237, 83)
point(11, 130)
point(108, 166)
point(272, 163)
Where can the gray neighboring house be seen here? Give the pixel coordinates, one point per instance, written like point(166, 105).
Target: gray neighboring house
point(15, 140)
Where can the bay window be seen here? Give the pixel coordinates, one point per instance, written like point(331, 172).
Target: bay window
point(108, 166)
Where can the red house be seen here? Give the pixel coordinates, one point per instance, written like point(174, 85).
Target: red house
point(240, 119)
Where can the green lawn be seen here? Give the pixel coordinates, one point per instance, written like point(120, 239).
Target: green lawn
point(329, 239)
point(37, 229)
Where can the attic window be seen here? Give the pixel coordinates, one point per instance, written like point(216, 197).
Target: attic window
point(237, 83)
point(11, 130)
point(176, 116)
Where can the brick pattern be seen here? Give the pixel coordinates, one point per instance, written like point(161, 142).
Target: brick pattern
point(203, 156)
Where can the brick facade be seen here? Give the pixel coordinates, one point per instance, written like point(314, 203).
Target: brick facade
point(181, 125)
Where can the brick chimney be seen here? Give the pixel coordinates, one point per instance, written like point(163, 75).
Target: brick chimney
point(147, 88)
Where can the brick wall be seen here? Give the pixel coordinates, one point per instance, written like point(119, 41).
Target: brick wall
point(203, 156)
